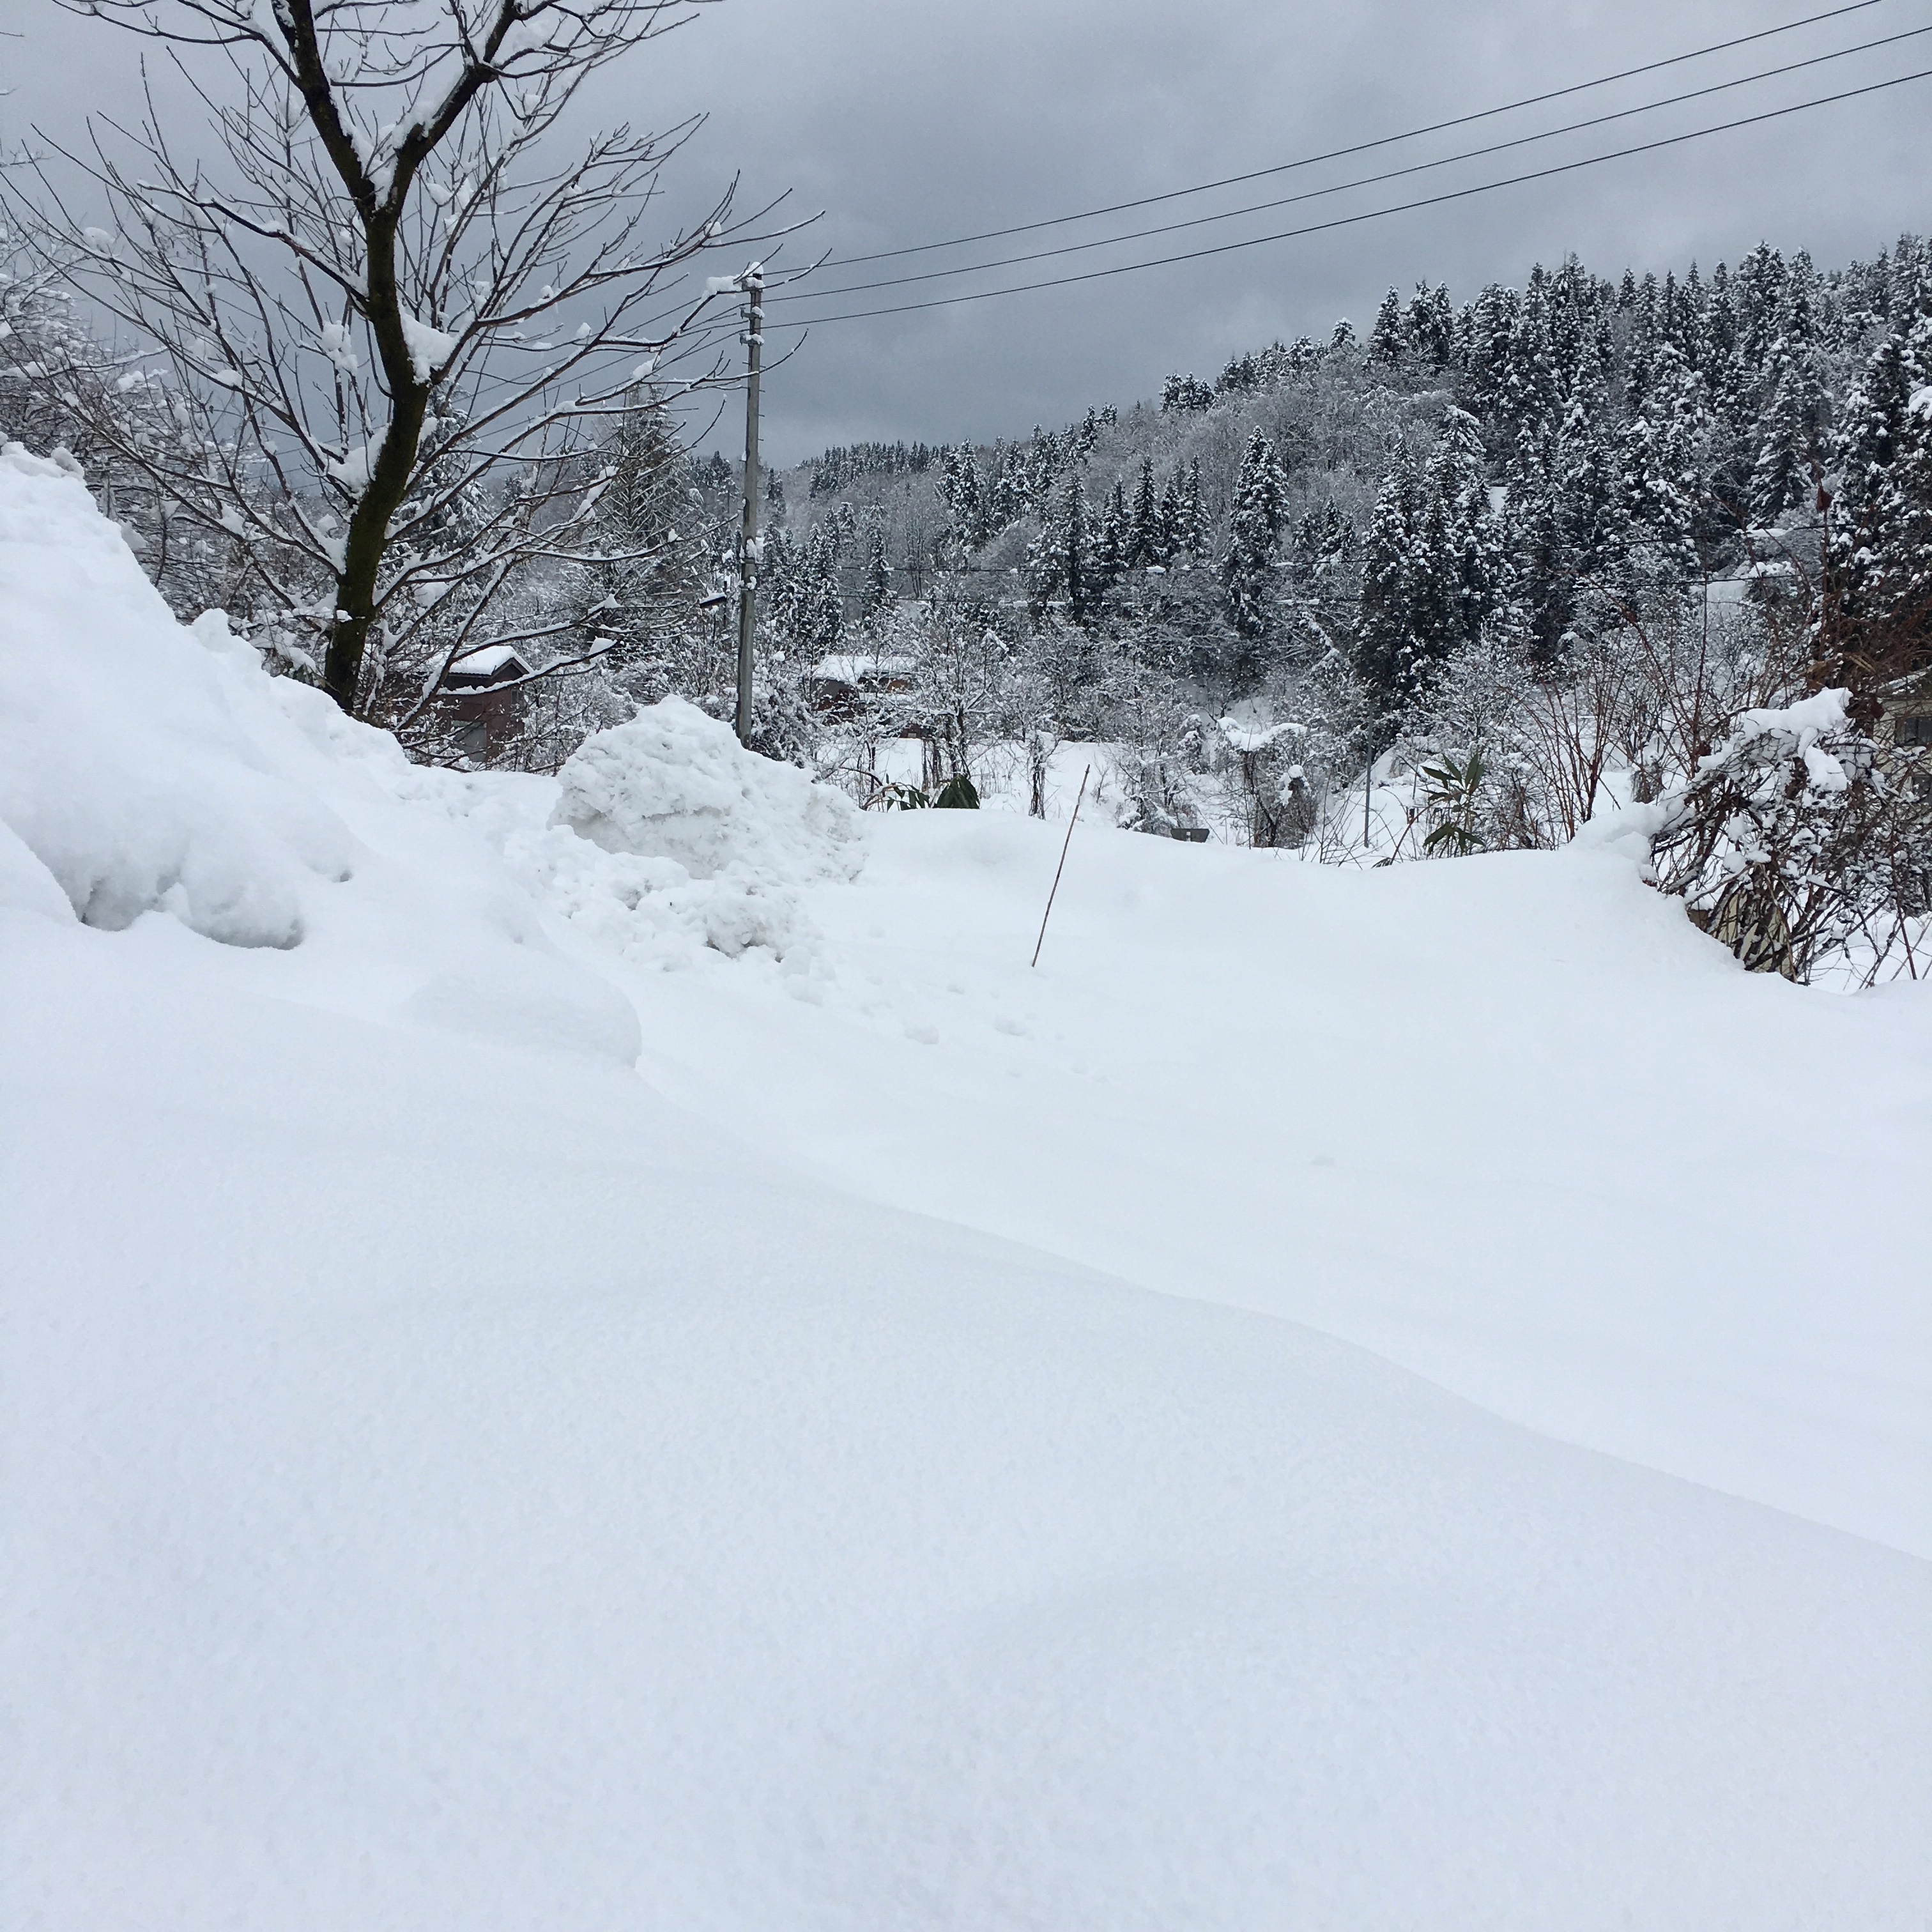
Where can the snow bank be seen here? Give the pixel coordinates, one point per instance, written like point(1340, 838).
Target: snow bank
point(122, 767)
point(523, 1000)
point(149, 769)
point(1511, 1121)
point(674, 784)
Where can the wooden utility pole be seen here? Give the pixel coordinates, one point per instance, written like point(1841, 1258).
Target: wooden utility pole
point(753, 283)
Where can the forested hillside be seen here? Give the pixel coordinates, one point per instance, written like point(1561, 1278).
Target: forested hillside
point(1509, 470)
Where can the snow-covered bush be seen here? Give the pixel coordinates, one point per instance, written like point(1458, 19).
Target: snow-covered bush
point(1796, 842)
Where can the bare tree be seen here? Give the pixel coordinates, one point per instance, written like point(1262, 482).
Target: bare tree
point(397, 321)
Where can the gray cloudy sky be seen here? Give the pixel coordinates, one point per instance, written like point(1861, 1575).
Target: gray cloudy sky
point(908, 121)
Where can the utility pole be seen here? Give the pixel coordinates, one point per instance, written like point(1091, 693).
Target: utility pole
point(752, 281)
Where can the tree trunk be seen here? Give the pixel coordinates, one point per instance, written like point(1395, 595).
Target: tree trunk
point(368, 537)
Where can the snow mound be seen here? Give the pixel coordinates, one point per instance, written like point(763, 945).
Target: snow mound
point(123, 769)
point(674, 784)
point(650, 910)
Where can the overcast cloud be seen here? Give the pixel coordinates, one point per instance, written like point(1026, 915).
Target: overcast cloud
point(909, 122)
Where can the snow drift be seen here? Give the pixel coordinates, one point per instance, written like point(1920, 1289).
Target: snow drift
point(445, 1482)
point(122, 767)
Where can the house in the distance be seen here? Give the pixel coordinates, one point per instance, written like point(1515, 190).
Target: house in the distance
point(1906, 720)
point(835, 686)
point(486, 699)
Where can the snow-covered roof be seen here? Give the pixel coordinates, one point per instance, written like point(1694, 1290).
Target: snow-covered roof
point(848, 669)
point(488, 662)
point(1246, 736)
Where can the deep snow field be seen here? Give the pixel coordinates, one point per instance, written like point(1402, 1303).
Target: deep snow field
point(605, 1354)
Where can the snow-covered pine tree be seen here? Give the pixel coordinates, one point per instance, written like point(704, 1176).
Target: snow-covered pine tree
point(1143, 544)
point(1186, 393)
point(875, 581)
point(1594, 512)
point(1539, 589)
point(1060, 572)
point(1114, 547)
point(965, 501)
point(1386, 340)
point(1760, 282)
point(1491, 335)
point(1076, 571)
point(1254, 524)
point(1431, 326)
point(1009, 492)
point(1664, 451)
point(1165, 535)
point(1787, 437)
point(815, 615)
point(1876, 624)
point(1191, 535)
point(1385, 629)
point(1459, 479)
point(1435, 600)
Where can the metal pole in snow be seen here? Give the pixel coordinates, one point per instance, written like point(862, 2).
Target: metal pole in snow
point(1062, 866)
point(754, 283)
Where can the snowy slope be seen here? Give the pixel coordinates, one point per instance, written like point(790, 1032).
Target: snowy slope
point(1508, 1121)
point(445, 1482)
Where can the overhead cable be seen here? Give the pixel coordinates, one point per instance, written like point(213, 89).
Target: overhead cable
point(1367, 214)
point(1362, 147)
point(1344, 187)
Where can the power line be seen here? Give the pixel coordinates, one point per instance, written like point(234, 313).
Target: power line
point(1367, 181)
point(1369, 214)
point(1361, 148)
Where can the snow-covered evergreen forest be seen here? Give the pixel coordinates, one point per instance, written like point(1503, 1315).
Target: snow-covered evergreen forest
point(1462, 582)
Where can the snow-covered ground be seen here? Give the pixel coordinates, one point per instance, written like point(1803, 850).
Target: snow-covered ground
point(1509, 1120)
point(1353, 1400)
